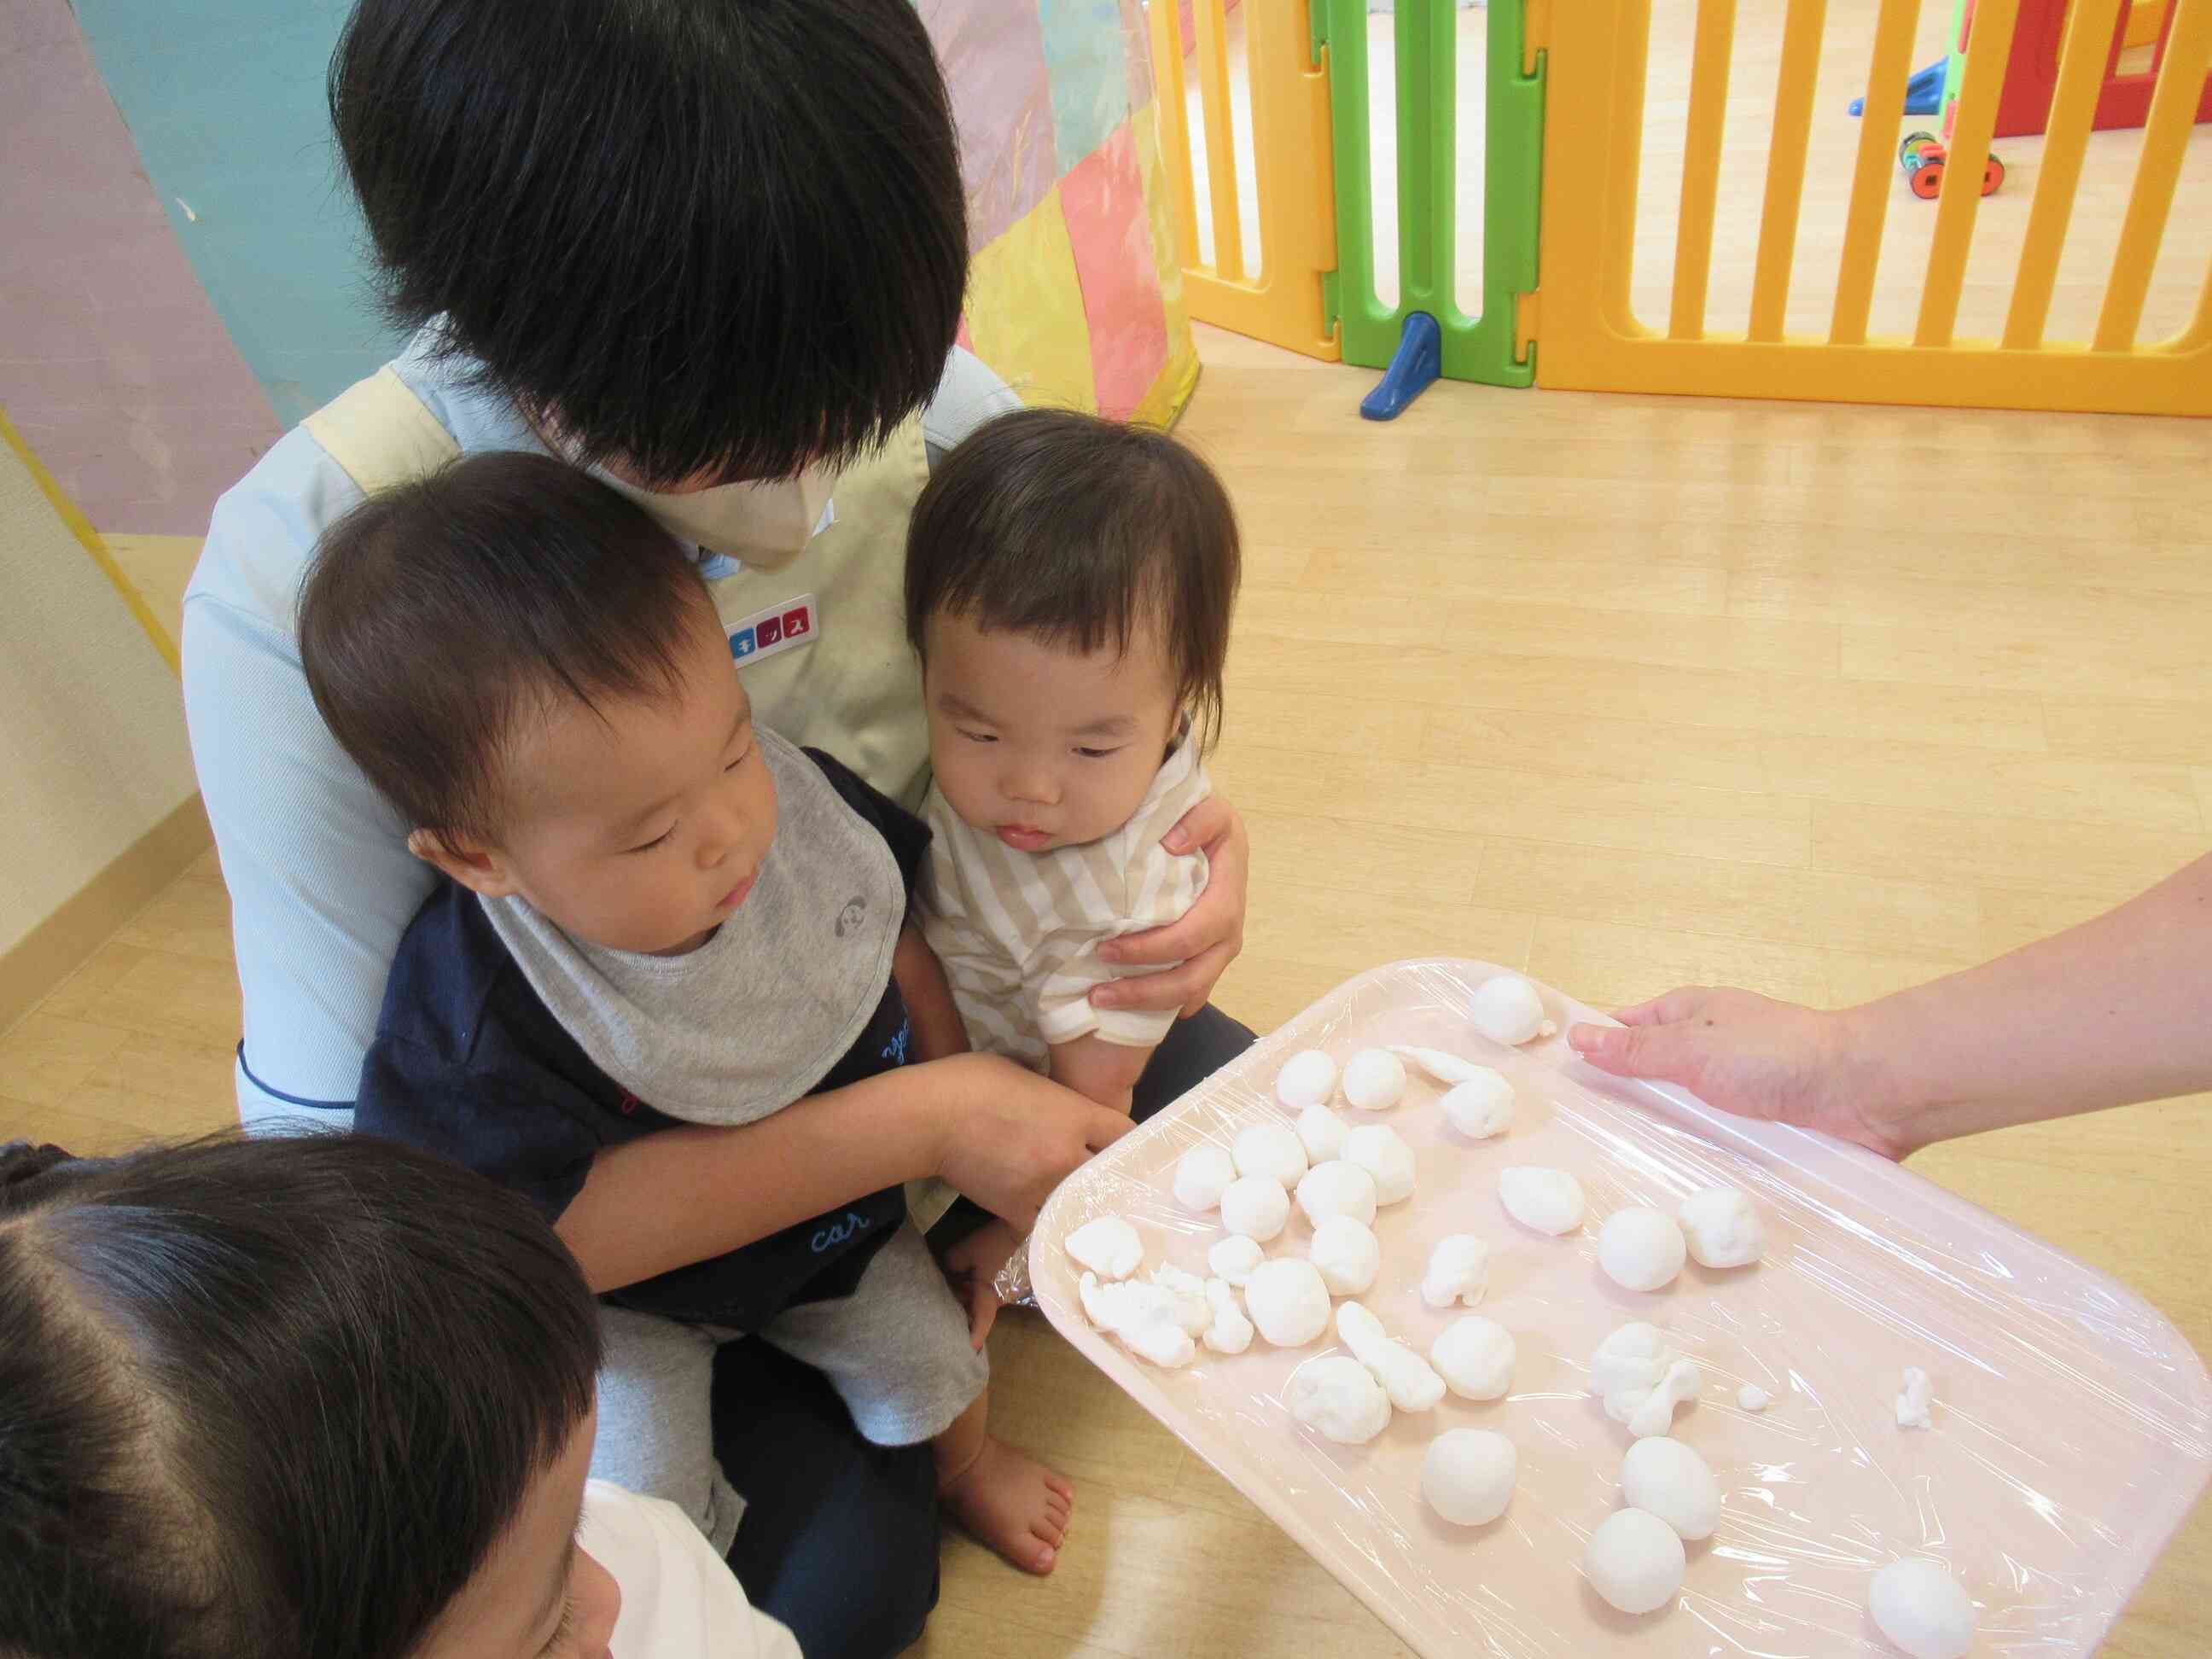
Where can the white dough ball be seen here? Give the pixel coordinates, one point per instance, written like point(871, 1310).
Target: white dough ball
point(1271, 1150)
point(1374, 1080)
point(1640, 1248)
point(1109, 1247)
point(1308, 1078)
point(1723, 1228)
point(1337, 1187)
point(1550, 1200)
point(1458, 1270)
point(1922, 1609)
point(1233, 1258)
point(1674, 1483)
point(1382, 1152)
point(1321, 1132)
point(1339, 1397)
point(1287, 1301)
point(1467, 1475)
point(1346, 1254)
point(1635, 1561)
point(1480, 1107)
point(1475, 1357)
point(1508, 1010)
point(1752, 1398)
point(1202, 1175)
point(1256, 1206)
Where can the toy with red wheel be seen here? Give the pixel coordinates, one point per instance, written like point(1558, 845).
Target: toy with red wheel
point(1924, 158)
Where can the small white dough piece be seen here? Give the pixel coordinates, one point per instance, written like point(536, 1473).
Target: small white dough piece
point(1233, 1258)
point(1374, 1080)
point(1341, 1397)
point(1550, 1200)
point(1321, 1132)
point(1231, 1331)
point(1922, 1609)
point(1308, 1078)
point(1409, 1379)
point(1475, 1357)
point(1458, 1270)
point(1641, 1377)
point(1635, 1561)
point(1202, 1175)
point(1382, 1152)
point(1913, 1404)
point(1271, 1150)
point(1346, 1254)
point(1109, 1247)
point(1256, 1206)
point(1447, 1069)
point(1142, 1315)
point(1480, 1107)
point(1191, 1311)
point(1752, 1398)
point(1508, 1010)
point(1337, 1187)
point(1674, 1483)
point(1723, 1228)
point(1641, 1248)
point(1287, 1300)
point(1467, 1475)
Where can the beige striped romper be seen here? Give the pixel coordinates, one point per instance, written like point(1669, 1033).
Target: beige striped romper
point(1018, 932)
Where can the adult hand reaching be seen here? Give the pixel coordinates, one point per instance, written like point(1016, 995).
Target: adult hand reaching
point(2115, 1011)
point(1744, 1053)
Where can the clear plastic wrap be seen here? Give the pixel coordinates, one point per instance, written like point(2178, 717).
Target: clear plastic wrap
point(2072, 1423)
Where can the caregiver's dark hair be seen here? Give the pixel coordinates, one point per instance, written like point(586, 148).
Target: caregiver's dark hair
point(274, 1397)
point(724, 235)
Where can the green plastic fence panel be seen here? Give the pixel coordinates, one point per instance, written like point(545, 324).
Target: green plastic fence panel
point(1478, 347)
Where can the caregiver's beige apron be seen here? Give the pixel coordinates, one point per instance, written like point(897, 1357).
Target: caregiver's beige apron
point(861, 698)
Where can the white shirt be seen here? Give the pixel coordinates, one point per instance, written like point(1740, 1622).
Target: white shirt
point(679, 1599)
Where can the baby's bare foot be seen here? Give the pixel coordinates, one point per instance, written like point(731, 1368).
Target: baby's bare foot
point(1008, 1500)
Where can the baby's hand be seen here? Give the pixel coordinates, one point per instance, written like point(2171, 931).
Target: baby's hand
point(972, 1266)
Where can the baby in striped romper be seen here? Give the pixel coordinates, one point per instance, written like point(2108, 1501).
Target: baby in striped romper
point(1069, 583)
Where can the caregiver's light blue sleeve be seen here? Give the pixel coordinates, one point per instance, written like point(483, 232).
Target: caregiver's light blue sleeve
point(321, 882)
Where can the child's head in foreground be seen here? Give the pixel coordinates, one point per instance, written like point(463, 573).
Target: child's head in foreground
point(531, 671)
point(1069, 582)
point(314, 1398)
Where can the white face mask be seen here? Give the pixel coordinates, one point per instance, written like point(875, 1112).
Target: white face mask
point(764, 524)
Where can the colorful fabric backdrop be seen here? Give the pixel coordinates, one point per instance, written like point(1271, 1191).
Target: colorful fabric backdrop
point(181, 278)
point(1075, 296)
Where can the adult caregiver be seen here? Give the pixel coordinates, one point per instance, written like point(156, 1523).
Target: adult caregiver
point(715, 250)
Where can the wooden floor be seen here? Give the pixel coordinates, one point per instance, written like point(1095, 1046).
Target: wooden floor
point(1627, 691)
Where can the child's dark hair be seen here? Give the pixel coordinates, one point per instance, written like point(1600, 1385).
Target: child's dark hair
point(724, 235)
point(1077, 531)
point(274, 1397)
point(438, 613)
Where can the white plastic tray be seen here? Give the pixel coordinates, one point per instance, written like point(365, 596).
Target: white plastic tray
point(2073, 1424)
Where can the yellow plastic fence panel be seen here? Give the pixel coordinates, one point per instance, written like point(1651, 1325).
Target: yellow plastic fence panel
point(1873, 174)
point(2173, 112)
point(1960, 201)
point(1589, 337)
point(1785, 165)
point(2073, 108)
point(1291, 171)
point(1701, 168)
